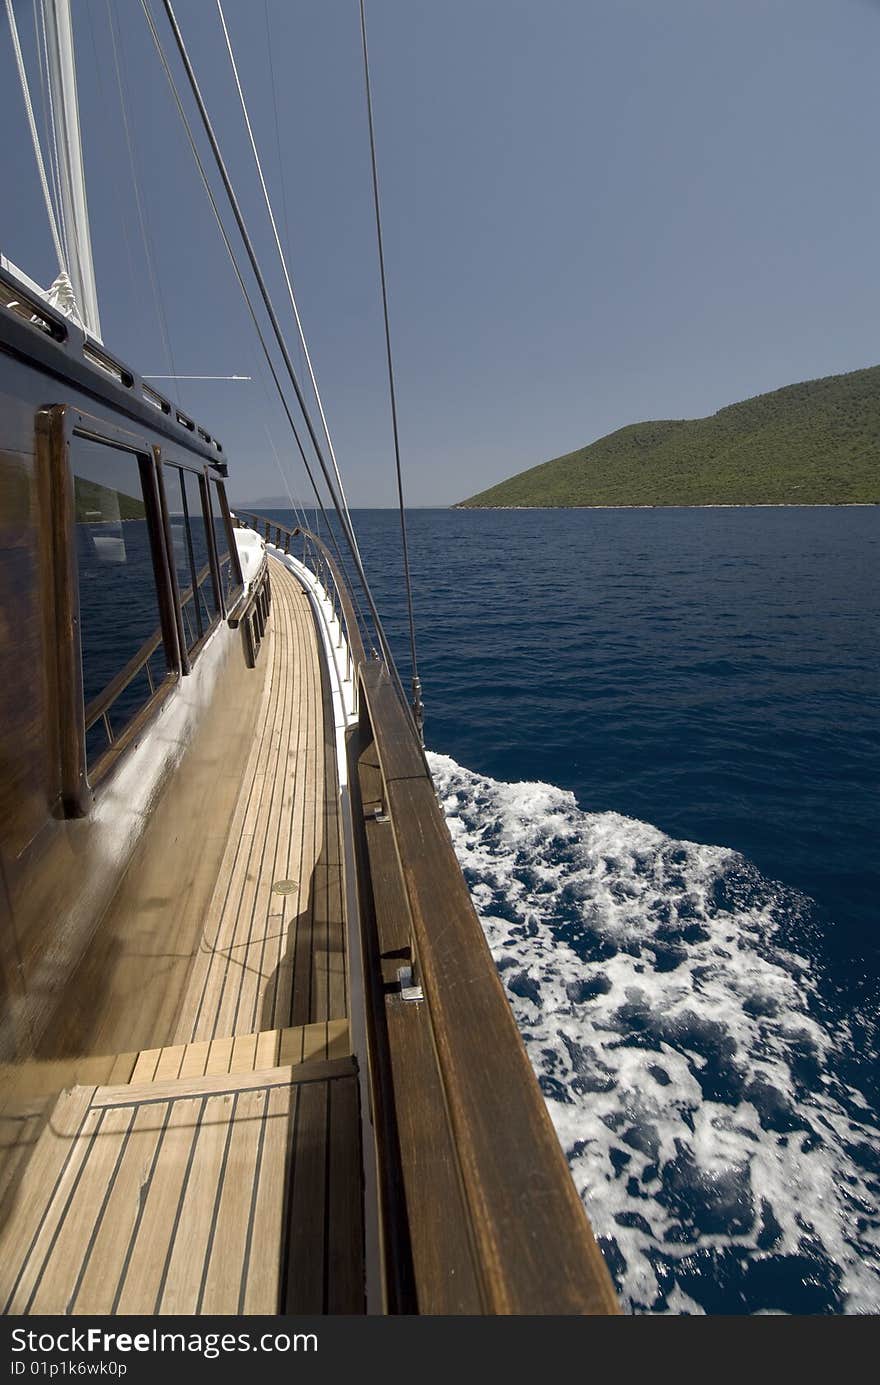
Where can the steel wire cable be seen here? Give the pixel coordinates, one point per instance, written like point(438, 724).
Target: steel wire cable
point(416, 682)
point(281, 256)
point(35, 138)
point(282, 346)
point(244, 290)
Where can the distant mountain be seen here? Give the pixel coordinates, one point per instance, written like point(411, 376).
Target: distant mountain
point(809, 444)
point(259, 507)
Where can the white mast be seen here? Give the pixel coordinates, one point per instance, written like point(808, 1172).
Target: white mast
point(65, 119)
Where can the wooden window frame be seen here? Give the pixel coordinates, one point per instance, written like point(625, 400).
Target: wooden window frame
point(169, 460)
point(57, 427)
point(237, 591)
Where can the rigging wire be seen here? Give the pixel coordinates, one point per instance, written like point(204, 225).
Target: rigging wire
point(35, 138)
point(277, 127)
point(297, 506)
point(281, 178)
point(284, 269)
point(146, 238)
point(278, 157)
point(42, 46)
point(344, 520)
point(71, 229)
point(416, 682)
point(136, 278)
point(246, 295)
point(300, 518)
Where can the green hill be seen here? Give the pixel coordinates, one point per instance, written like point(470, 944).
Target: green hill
point(817, 443)
point(97, 504)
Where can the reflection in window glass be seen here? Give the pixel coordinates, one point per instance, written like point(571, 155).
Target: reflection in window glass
point(119, 609)
point(228, 568)
point(189, 542)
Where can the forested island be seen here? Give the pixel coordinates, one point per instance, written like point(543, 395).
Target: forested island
point(97, 504)
point(814, 443)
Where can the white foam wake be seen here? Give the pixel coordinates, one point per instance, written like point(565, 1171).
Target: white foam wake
point(679, 1041)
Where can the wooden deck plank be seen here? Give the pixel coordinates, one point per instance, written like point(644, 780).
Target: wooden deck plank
point(262, 1290)
point(219, 1055)
point(82, 1217)
point(293, 905)
point(338, 1039)
point(228, 1257)
point(314, 1042)
point(196, 1216)
point(266, 931)
point(146, 1064)
point(241, 980)
point(199, 1012)
point(300, 847)
point(226, 1194)
point(305, 1273)
point(144, 1273)
point(43, 1169)
point(241, 1053)
point(291, 1043)
point(262, 963)
point(48, 1186)
point(122, 1068)
point(244, 1052)
point(266, 1053)
point(345, 1203)
point(104, 1264)
point(195, 1059)
point(169, 1062)
point(19, 1133)
point(302, 996)
point(234, 863)
point(319, 1070)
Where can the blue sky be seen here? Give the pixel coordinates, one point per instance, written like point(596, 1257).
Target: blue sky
point(594, 213)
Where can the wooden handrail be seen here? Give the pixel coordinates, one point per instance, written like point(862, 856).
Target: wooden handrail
point(187, 595)
point(117, 685)
point(248, 601)
point(535, 1251)
point(352, 629)
point(114, 689)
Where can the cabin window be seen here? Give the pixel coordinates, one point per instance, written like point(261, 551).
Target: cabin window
point(227, 554)
point(191, 553)
point(124, 659)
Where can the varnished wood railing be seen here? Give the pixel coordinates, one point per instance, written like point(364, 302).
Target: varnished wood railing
point(479, 1211)
point(252, 613)
point(99, 707)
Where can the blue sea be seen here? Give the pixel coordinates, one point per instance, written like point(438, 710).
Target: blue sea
point(655, 734)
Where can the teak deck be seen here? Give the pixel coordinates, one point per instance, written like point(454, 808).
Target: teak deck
point(193, 1195)
point(272, 953)
point(219, 1171)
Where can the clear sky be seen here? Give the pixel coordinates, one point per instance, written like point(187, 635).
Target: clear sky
point(594, 213)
